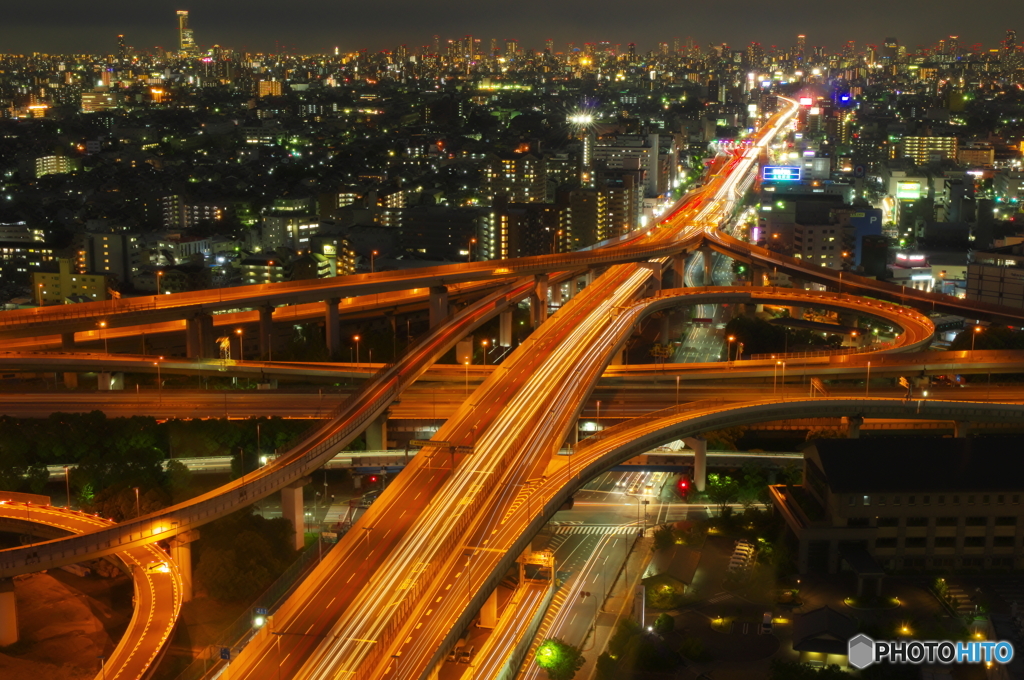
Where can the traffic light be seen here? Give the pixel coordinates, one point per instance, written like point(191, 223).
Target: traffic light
point(683, 485)
point(373, 479)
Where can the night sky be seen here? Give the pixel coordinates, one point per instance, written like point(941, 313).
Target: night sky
point(317, 26)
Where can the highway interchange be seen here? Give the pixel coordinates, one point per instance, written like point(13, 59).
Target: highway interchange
point(422, 559)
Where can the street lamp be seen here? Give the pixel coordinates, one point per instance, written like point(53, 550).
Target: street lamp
point(159, 382)
point(241, 351)
point(728, 347)
point(469, 250)
point(554, 241)
point(597, 421)
point(467, 378)
point(40, 296)
point(356, 338)
point(373, 254)
point(67, 484)
point(775, 379)
point(485, 343)
point(977, 329)
point(138, 513)
point(103, 332)
point(158, 275)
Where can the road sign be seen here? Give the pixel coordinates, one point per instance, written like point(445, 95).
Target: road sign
point(859, 171)
point(427, 442)
point(261, 611)
point(225, 653)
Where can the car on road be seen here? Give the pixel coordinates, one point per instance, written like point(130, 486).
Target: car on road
point(467, 654)
point(766, 624)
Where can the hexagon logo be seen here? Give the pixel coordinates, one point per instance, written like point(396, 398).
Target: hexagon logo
point(861, 651)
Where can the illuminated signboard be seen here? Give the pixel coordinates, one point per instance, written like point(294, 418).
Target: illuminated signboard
point(806, 101)
point(775, 173)
point(910, 191)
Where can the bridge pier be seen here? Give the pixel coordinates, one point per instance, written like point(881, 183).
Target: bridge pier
point(332, 326)
point(708, 265)
point(200, 341)
point(505, 328)
point(438, 304)
point(556, 295)
point(70, 380)
point(377, 433)
point(588, 278)
point(489, 611)
point(539, 300)
point(181, 553)
point(110, 381)
point(67, 342)
point(961, 429)
point(653, 283)
point(293, 510)
point(700, 461)
point(853, 425)
point(266, 331)
point(8, 613)
point(574, 287)
point(677, 267)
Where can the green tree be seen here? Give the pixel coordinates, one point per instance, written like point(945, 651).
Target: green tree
point(664, 624)
point(721, 490)
point(664, 538)
point(794, 670)
point(560, 659)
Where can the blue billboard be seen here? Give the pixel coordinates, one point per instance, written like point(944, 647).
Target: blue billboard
point(777, 173)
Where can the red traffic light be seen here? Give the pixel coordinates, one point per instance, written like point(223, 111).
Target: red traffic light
point(683, 485)
point(373, 478)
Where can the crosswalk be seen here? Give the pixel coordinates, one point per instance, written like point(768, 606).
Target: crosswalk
point(720, 597)
point(596, 529)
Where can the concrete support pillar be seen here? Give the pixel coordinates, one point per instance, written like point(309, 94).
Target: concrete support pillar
point(654, 283)
point(67, 342)
point(588, 278)
point(505, 328)
point(708, 266)
point(181, 553)
point(539, 301)
point(619, 358)
point(677, 267)
point(961, 429)
point(332, 326)
point(8, 613)
point(489, 611)
point(200, 339)
point(377, 433)
point(556, 295)
point(700, 461)
point(266, 331)
point(70, 380)
point(438, 304)
point(292, 509)
point(666, 329)
point(574, 286)
point(853, 425)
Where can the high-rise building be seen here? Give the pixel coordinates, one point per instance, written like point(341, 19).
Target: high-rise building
point(122, 49)
point(801, 48)
point(269, 88)
point(890, 50)
point(186, 40)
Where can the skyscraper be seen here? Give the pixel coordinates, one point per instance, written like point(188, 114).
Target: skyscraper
point(122, 49)
point(801, 47)
point(186, 41)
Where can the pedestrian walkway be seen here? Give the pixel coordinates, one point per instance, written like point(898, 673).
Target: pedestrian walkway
point(963, 599)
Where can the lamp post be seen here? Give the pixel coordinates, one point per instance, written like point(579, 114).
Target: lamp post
point(783, 380)
point(356, 338)
point(597, 421)
point(728, 347)
point(67, 484)
point(469, 249)
point(554, 241)
point(39, 290)
point(373, 255)
point(159, 382)
point(158, 275)
point(241, 351)
point(138, 513)
point(485, 343)
point(867, 381)
point(977, 329)
point(775, 379)
point(466, 364)
point(677, 390)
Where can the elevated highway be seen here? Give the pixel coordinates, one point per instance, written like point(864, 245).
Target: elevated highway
point(158, 585)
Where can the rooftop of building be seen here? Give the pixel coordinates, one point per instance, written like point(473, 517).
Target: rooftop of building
point(920, 464)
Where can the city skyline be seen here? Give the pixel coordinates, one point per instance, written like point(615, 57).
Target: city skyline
point(265, 27)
